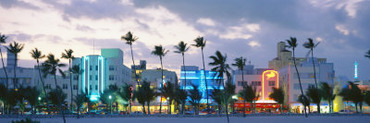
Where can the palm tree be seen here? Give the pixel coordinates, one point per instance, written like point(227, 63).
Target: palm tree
point(217, 96)
point(314, 94)
point(36, 54)
point(200, 42)
point(58, 97)
point(367, 97)
point(4, 96)
point(68, 54)
point(229, 92)
point(31, 95)
point(140, 96)
point(278, 95)
point(327, 94)
point(80, 99)
point(109, 96)
point(240, 63)
point(168, 91)
point(78, 71)
point(15, 48)
point(219, 61)
point(180, 97)
point(292, 43)
point(2, 41)
point(305, 102)
point(182, 48)
point(354, 94)
point(248, 94)
point(129, 38)
point(150, 94)
point(195, 97)
point(311, 45)
point(52, 66)
point(160, 52)
point(126, 93)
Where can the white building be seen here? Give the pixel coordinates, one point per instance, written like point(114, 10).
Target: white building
point(100, 71)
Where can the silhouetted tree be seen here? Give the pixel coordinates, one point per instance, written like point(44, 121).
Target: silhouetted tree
point(15, 48)
point(180, 97)
point(168, 91)
point(327, 94)
point(195, 97)
point(160, 52)
point(129, 38)
point(314, 95)
point(68, 54)
point(182, 48)
point(3, 41)
point(311, 45)
point(278, 95)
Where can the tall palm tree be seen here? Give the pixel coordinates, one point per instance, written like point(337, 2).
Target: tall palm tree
point(180, 97)
point(80, 99)
point(168, 91)
point(140, 96)
point(219, 61)
point(292, 43)
point(78, 71)
point(278, 95)
point(129, 38)
point(311, 45)
point(68, 54)
point(31, 95)
point(240, 63)
point(229, 92)
point(160, 52)
point(194, 98)
point(52, 66)
point(182, 48)
point(249, 94)
point(200, 42)
point(36, 54)
point(314, 94)
point(353, 93)
point(15, 48)
point(3, 41)
point(327, 94)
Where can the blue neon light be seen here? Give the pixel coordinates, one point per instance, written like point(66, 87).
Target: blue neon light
point(356, 70)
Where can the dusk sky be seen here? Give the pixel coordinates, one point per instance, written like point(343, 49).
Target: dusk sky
point(249, 28)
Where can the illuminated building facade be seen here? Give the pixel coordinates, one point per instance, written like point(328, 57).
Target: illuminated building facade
point(196, 77)
point(100, 71)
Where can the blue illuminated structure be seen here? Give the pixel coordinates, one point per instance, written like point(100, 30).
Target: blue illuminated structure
point(196, 77)
point(356, 70)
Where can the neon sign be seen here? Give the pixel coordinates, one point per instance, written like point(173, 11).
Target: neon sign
point(269, 78)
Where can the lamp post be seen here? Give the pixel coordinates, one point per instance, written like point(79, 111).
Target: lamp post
point(39, 98)
point(110, 100)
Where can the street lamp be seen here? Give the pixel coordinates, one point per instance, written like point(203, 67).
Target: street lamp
point(110, 99)
point(39, 98)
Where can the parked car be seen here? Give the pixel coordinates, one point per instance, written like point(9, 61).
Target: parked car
point(207, 111)
point(189, 112)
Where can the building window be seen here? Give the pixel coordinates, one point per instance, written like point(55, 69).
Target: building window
point(256, 83)
point(111, 77)
point(271, 83)
point(48, 86)
point(96, 77)
point(90, 87)
point(90, 78)
point(90, 67)
point(96, 67)
point(242, 83)
point(74, 87)
point(65, 86)
point(75, 77)
point(111, 67)
point(96, 87)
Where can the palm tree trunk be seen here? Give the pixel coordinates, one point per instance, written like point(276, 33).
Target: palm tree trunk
point(61, 106)
point(182, 107)
point(226, 107)
point(314, 69)
point(244, 108)
point(4, 68)
point(43, 86)
point(281, 109)
point(251, 107)
point(169, 106)
point(70, 83)
point(356, 107)
point(299, 79)
point(160, 103)
point(318, 107)
point(149, 108)
point(183, 64)
point(15, 73)
point(133, 62)
point(205, 77)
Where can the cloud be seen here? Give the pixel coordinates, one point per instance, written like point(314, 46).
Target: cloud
point(242, 31)
point(254, 44)
point(206, 21)
point(342, 29)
